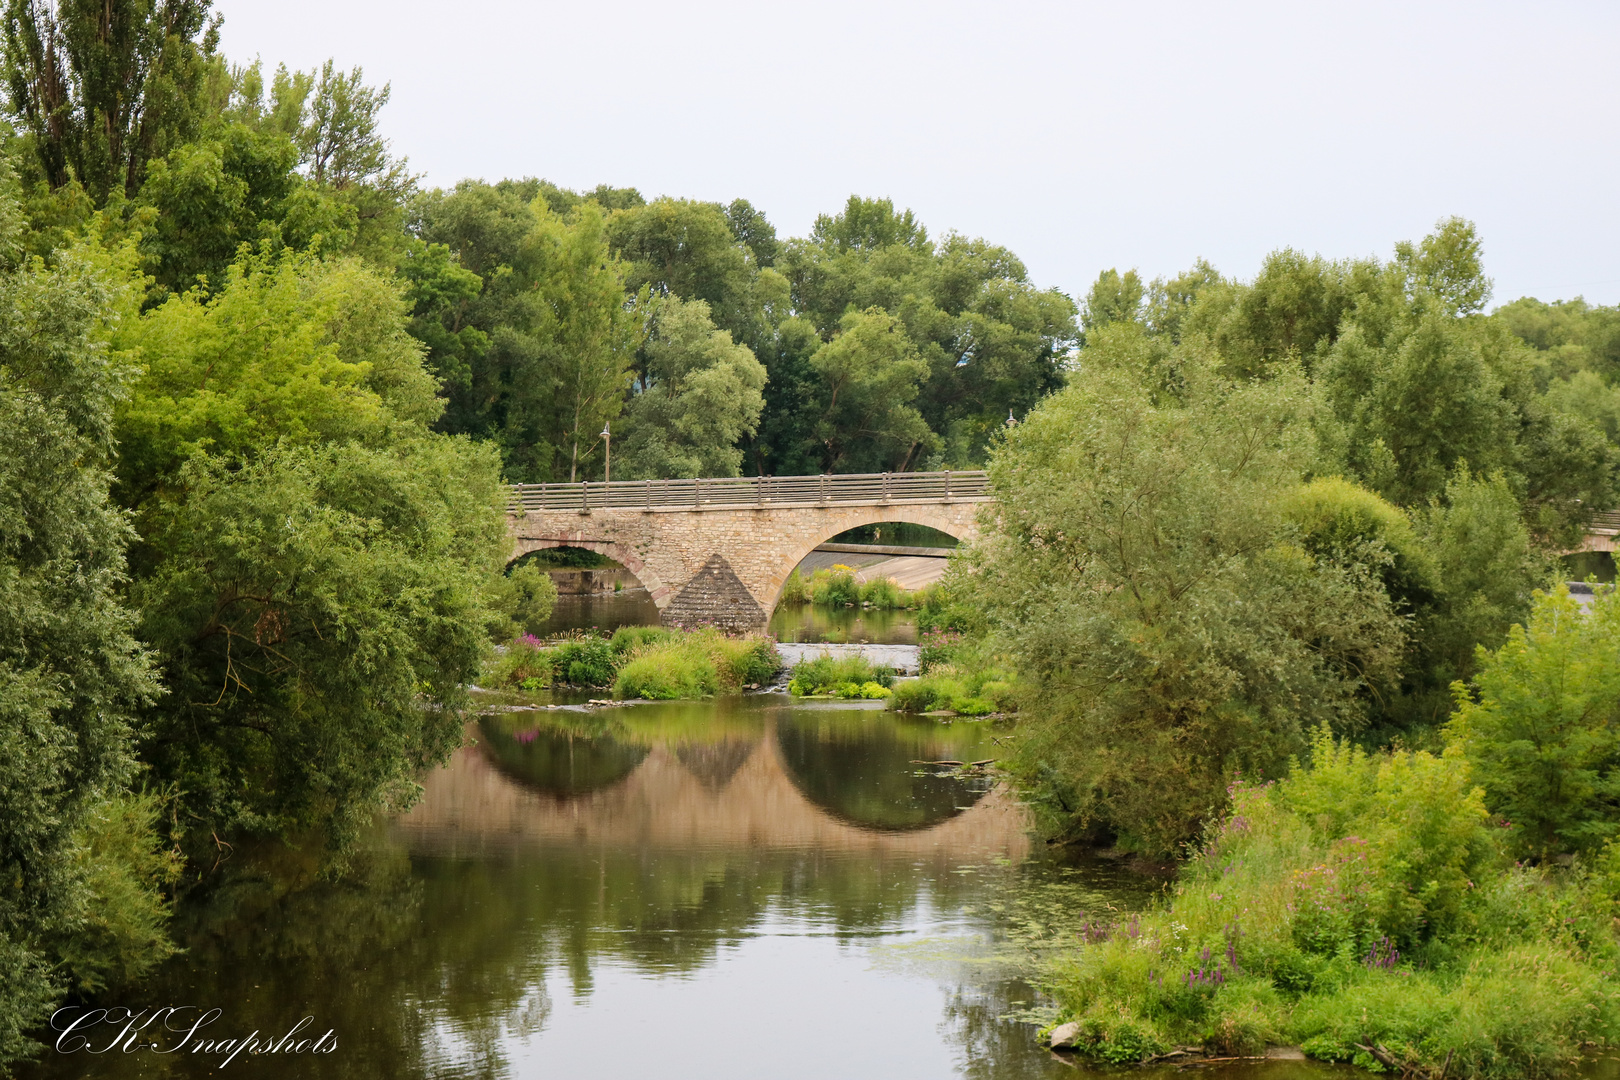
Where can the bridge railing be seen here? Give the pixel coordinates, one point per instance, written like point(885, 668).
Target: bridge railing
point(714, 493)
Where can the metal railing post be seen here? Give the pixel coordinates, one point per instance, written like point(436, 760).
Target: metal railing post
point(885, 487)
point(947, 485)
point(649, 494)
point(585, 497)
point(821, 488)
point(697, 494)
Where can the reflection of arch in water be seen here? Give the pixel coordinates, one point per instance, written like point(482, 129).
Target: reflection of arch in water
point(561, 764)
point(869, 780)
point(663, 804)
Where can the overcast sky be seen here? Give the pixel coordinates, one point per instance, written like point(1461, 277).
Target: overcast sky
point(1080, 135)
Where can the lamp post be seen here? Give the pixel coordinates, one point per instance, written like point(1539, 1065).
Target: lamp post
point(607, 460)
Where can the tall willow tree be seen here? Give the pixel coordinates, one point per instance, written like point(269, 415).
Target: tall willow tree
point(104, 86)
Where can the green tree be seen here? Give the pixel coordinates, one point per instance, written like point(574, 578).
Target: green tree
point(993, 343)
point(317, 614)
point(104, 88)
point(81, 902)
point(868, 376)
point(1143, 575)
point(700, 394)
point(541, 357)
point(1538, 726)
point(678, 247)
point(1114, 297)
point(291, 348)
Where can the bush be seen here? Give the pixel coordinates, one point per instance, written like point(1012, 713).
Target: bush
point(979, 694)
point(700, 663)
point(836, 587)
point(824, 675)
point(627, 639)
point(1541, 734)
point(885, 594)
point(524, 663)
point(1359, 902)
point(665, 673)
point(585, 662)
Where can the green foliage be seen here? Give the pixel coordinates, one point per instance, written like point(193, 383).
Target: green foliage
point(520, 601)
point(316, 613)
point(629, 638)
point(842, 676)
point(585, 661)
point(945, 688)
point(696, 663)
point(796, 590)
point(102, 89)
point(289, 349)
point(72, 675)
point(556, 336)
point(120, 932)
point(1361, 902)
point(697, 397)
point(835, 587)
point(1537, 725)
point(1192, 637)
point(524, 663)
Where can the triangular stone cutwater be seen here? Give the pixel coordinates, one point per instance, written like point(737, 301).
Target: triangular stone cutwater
point(715, 596)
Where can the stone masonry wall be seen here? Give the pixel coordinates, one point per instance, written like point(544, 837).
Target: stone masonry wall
point(697, 564)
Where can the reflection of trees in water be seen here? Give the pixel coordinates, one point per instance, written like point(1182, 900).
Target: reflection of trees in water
point(865, 772)
point(557, 762)
point(431, 965)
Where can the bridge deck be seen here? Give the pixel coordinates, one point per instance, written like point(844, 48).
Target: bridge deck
point(729, 493)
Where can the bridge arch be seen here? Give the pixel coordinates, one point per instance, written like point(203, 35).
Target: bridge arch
point(951, 524)
point(620, 553)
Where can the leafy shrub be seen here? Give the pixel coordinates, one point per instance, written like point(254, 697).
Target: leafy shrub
point(825, 674)
point(524, 663)
point(912, 696)
point(836, 587)
point(1360, 902)
point(1541, 734)
point(585, 662)
point(666, 673)
point(937, 647)
point(883, 593)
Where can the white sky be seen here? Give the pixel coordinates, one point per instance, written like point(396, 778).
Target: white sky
point(1080, 135)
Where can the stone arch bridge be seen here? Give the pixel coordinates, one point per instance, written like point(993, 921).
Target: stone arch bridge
point(717, 551)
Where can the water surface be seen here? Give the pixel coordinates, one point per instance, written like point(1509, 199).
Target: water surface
point(734, 889)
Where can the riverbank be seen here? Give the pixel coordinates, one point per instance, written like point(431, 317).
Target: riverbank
point(1366, 911)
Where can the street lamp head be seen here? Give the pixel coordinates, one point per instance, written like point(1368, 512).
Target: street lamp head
point(606, 434)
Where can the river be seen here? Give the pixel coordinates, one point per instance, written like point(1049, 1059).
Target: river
point(725, 889)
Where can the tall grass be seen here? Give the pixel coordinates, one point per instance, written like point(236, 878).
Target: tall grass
point(837, 587)
point(641, 661)
point(700, 663)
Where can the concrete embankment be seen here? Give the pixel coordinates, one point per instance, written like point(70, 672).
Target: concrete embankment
point(902, 658)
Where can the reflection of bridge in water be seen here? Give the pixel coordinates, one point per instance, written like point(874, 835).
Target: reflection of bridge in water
point(730, 794)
